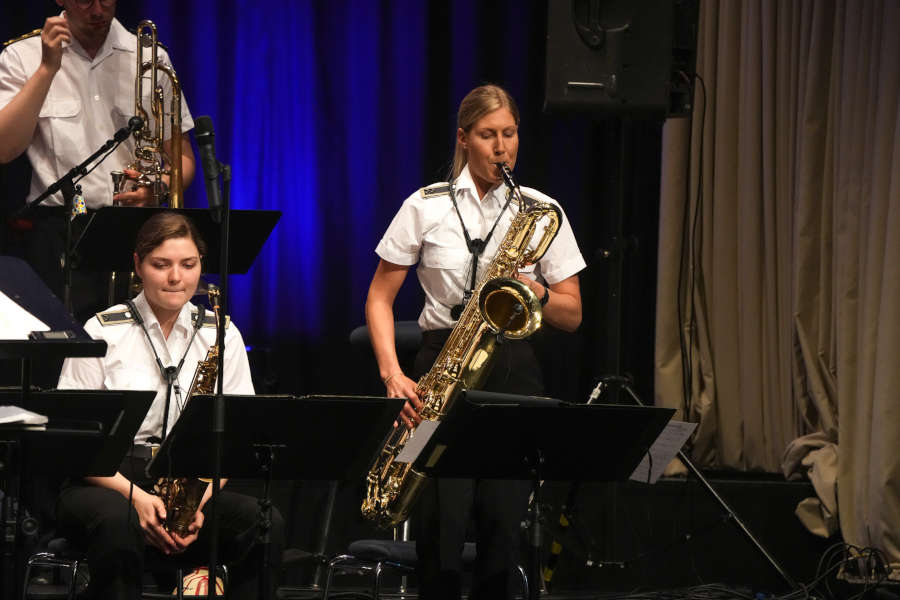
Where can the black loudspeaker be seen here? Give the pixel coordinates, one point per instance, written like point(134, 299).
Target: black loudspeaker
point(621, 56)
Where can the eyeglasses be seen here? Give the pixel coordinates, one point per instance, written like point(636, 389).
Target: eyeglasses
point(89, 3)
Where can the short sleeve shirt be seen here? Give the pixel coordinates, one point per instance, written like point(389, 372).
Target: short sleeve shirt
point(426, 230)
point(88, 101)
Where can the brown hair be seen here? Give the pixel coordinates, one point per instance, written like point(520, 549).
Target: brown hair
point(477, 103)
point(166, 226)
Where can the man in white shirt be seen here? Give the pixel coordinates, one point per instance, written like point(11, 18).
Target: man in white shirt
point(63, 94)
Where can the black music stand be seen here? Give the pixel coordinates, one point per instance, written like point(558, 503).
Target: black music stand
point(307, 435)
point(66, 337)
point(87, 433)
point(505, 436)
point(107, 243)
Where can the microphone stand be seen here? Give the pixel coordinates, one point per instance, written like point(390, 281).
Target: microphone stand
point(66, 185)
point(221, 215)
point(731, 515)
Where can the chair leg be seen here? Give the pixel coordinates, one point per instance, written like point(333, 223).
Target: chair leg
point(179, 588)
point(376, 591)
point(51, 561)
point(73, 582)
point(330, 572)
point(525, 589)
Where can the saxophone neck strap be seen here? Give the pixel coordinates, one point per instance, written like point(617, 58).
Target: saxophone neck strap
point(476, 247)
point(169, 374)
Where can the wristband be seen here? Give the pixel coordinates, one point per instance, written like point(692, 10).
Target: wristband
point(546, 297)
point(391, 376)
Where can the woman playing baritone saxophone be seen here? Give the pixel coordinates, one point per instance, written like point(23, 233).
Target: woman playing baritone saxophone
point(94, 512)
point(431, 229)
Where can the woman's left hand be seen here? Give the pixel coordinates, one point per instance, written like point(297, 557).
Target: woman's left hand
point(193, 532)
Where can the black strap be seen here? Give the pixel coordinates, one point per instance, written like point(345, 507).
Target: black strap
point(476, 247)
point(169, 374)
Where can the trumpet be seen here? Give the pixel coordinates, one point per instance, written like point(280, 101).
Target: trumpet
point(150, 157)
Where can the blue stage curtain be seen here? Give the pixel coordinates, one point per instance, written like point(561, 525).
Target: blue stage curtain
point(328, 112)
point(319, 110)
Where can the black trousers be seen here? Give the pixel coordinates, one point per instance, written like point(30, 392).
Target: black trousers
point(496, 506)
point(102, 522)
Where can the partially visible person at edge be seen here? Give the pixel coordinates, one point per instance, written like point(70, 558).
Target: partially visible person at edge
point(431, 229)
point(63, 94)
point(94, 512)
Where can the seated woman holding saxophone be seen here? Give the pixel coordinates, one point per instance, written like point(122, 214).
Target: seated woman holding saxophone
point(156, 339)
point(453, 231)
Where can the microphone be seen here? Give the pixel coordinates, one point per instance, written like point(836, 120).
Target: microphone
point(206, 143)
point(134, 124)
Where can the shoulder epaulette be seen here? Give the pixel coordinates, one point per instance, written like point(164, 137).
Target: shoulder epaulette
point(209, 319)
point(22, 37)
point(436, 189)
point(116, 316)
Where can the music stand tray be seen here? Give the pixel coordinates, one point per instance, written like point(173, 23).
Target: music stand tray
point(21, 284)
point(316, 437)
point(107, 243)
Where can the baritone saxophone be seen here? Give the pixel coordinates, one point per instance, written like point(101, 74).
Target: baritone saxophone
point(182, 495)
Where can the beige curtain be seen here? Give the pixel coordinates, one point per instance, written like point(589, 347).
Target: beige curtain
point(779, 292)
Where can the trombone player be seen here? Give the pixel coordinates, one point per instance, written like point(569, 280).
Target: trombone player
point(64, 90)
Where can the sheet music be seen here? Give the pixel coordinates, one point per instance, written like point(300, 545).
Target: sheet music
point(16, 322)
point(421, 434)
point(663, 451)
point(13, 416)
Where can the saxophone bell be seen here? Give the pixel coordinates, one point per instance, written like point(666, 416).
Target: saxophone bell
point(510, 308)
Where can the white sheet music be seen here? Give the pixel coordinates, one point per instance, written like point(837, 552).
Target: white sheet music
point(421, 434)
point(16, 322)
point(13, 415)
point(663, 451)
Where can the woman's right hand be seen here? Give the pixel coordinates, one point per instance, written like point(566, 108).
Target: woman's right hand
point(152, 512)
point(54, 33)
point(401, 386)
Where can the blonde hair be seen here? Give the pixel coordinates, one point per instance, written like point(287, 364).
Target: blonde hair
point(477, 103)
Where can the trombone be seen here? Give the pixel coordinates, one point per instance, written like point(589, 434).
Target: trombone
point(150, 157)
point(151, 160)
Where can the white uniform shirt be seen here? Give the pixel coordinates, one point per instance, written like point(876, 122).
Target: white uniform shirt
point(427, 231)
point(129, 363)
point(88, 101)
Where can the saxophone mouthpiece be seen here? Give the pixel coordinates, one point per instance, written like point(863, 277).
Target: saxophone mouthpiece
point(506, 174)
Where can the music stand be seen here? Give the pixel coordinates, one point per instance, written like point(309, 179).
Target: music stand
point(87, 433)
point(23, 286)
point(308, 435)
point(504, 436)
point(107, 243)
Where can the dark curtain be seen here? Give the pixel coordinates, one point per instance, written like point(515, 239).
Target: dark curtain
point(334, 112)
